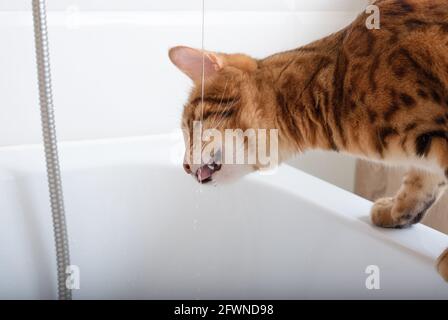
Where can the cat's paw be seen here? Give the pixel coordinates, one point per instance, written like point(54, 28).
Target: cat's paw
point(381, 213)
point(393, 213)
point(442, 265)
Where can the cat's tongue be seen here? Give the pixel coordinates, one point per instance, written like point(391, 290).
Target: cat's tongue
point(204, 174)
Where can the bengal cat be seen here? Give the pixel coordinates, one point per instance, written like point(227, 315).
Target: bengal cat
point(378, 94)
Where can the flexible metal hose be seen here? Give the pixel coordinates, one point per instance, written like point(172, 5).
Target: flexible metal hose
point(51, 149)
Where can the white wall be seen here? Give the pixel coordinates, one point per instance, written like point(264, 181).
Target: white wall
point(233, 5)
point(111, 75)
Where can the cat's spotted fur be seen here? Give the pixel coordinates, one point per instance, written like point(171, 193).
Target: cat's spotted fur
point(377, 94)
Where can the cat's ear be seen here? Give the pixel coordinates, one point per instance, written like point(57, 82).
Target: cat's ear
point(191, 62)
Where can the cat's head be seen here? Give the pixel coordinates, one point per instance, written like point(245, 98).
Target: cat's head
point(222, 102)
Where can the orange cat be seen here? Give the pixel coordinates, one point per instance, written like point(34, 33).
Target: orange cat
point(379, 94)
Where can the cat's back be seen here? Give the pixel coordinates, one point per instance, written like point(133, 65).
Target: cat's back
point(401, 8)
point(395, 77)
point(411, 43)
point(400, 20)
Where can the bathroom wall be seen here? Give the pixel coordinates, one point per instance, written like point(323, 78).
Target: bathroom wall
point(187, 5)
point(111, 75)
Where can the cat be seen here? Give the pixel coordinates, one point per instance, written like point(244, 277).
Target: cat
point(378, 94)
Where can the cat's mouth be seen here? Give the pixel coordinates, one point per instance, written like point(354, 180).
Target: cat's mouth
point(205, 173)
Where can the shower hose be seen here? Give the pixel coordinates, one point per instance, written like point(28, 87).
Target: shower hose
point(50, 146)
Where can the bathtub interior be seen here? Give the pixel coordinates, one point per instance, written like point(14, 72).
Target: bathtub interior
point(141, 228)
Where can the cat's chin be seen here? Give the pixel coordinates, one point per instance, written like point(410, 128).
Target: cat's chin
point(230, 174)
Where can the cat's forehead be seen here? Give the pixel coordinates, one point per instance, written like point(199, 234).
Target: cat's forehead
point(217, 92)
point(225, 83)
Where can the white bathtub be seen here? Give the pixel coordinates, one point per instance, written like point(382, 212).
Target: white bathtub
point(139, 227)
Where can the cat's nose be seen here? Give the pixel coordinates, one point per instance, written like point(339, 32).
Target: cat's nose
point(187, 168)
point(204, 173)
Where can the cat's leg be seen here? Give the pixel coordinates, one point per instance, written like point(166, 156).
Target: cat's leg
point(418, 192)
point(442, 265)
